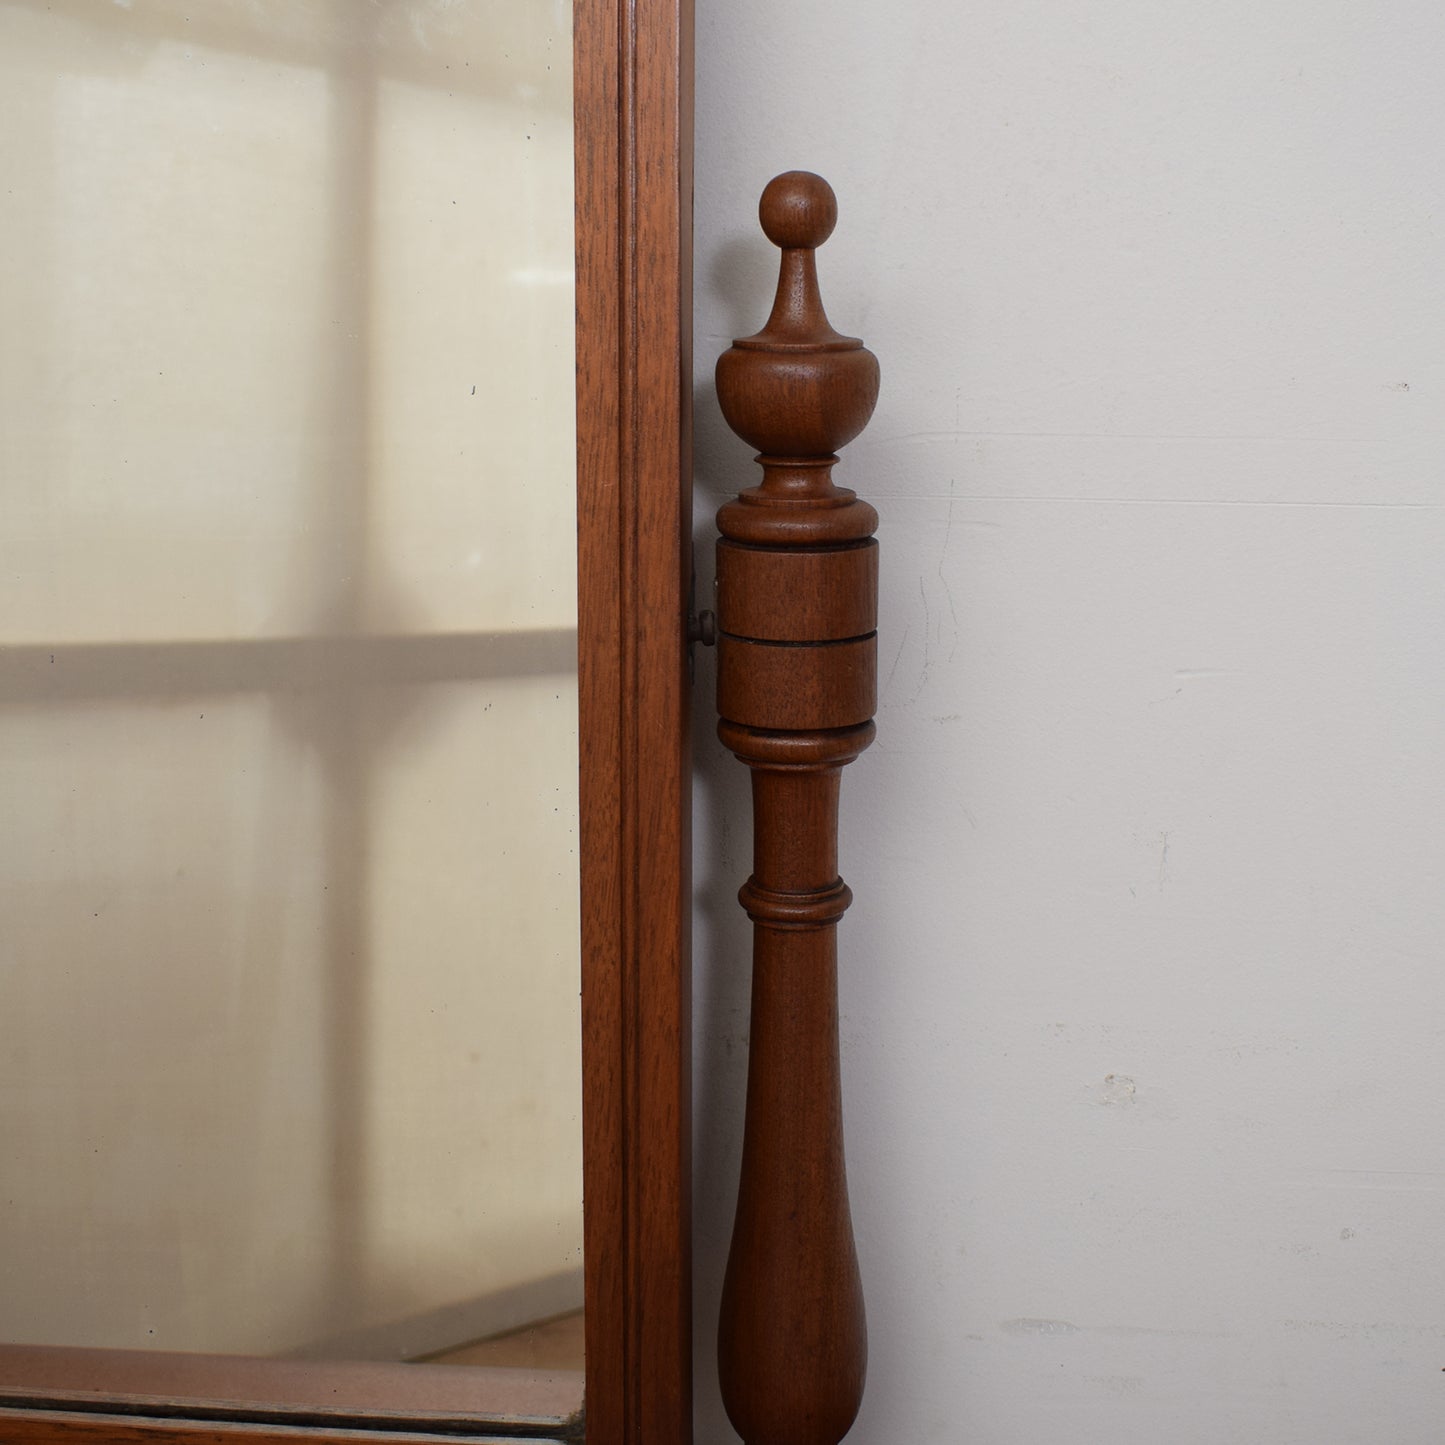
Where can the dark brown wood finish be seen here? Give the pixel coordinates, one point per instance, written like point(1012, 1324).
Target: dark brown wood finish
point(797, 600)
point(634, 448)
point(633, 134)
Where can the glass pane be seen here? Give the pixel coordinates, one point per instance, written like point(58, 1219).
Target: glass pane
point(289, 1038)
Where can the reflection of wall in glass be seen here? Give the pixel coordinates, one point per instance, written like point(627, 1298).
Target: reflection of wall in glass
point(289, 1039)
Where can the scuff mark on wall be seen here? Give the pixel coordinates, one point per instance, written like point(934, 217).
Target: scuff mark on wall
point(1038, 1327)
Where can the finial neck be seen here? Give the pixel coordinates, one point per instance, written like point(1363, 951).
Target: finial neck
point(798, 318)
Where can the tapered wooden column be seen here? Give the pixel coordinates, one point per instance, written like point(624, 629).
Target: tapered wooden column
point(797, 599)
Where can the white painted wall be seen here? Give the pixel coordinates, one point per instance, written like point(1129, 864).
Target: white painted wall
point(1143, 997)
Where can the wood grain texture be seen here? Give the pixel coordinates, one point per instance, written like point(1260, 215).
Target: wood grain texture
point(832, 593)
point(787, 685)
point(797, 670)
point(633, 67)
point(633, 131)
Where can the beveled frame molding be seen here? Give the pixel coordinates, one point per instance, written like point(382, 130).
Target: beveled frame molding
point(633, 128)
point(632, 92)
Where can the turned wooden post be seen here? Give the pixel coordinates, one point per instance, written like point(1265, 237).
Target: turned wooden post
point(797, 579)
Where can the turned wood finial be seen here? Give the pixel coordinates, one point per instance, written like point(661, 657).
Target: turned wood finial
point(798, 387)
point(797, 578)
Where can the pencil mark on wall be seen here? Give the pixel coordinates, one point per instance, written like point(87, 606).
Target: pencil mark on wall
point(942, 576)
point(927, 649)
point(935, 621)
point(897, 658)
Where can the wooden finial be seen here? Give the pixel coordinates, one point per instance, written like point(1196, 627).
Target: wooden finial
point(797, 667)
point(797, 388)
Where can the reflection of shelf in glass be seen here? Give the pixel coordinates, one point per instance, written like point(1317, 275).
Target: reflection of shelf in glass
point(40, 672)
point(415, 45)
point(555, 1344)
point(299, 1392)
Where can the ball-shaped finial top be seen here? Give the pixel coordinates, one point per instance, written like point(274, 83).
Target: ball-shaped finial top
point(798, 210)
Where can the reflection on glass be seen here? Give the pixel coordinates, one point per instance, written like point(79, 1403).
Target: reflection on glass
point(289, 1055)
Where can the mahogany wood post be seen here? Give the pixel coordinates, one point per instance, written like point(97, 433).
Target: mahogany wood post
point(797, 601)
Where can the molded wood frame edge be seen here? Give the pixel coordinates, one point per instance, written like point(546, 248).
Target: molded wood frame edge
point(633, 89)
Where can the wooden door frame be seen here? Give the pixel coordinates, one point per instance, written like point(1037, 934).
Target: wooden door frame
point(632, 90)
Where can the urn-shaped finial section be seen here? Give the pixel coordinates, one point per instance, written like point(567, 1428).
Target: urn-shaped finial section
point(797, 389)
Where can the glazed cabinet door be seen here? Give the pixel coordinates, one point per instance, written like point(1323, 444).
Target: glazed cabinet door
point(343, 710)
